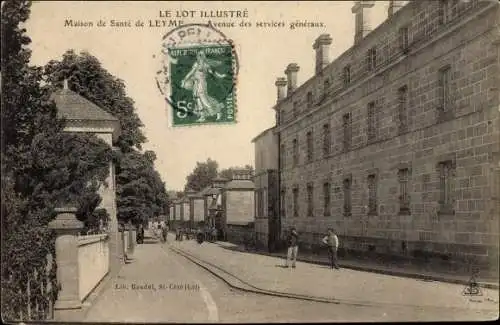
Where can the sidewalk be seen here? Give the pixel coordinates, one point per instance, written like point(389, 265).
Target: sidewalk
point(396, 269)
point(265, 273)
point(136, 294)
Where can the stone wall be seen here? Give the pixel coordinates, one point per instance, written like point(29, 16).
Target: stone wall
point(239, 206)
point(261, 232)
point(93, 262)
point(186, 211)
point(469, 138)
point(239, 233)
point(198, 209)
point(178, 212)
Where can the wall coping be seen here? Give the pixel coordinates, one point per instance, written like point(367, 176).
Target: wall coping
point(90, 239)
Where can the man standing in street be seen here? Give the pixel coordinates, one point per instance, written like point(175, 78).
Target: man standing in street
point(293, 247)
point(332, 241)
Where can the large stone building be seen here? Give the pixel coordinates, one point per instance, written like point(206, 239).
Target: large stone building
point(395, 144)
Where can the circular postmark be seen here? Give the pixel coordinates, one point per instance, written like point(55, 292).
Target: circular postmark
point(197, 75)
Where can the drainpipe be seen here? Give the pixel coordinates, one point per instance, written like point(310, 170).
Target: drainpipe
point(277, 241)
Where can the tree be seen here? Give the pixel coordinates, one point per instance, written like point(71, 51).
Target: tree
point(87, 77)
point(202, 175)
point(141, 192)
point(228, 172)
point(42, 167)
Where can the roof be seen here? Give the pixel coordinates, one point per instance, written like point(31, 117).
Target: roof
point(75, 107)
point(240, 184)
point(263, 133)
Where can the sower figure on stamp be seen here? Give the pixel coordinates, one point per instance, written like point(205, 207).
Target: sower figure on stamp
point(293, 247)
point(332, 241)
point(196, 80)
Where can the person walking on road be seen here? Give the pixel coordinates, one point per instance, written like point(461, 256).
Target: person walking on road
point(332, 241)
point(164, 233)
point(293, 247)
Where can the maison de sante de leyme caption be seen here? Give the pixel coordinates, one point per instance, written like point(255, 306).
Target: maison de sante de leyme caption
point(174, 18)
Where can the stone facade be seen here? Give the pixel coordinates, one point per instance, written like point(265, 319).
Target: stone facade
point(266, 187)
point(178, 212)
point(198, 209)
point(396, 144)
point(237, 206)
point(240, 234)
point(186, 213)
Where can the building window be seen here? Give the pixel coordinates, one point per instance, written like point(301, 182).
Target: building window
point(372, 194)
point(310, 198)
point(326, 140)
point(372, 131)
point(347, 197)
point(282, 203)
point(282, 155)
point(403, 109)
point(404, 197)
point(260, 203)
point(295, 152)
point(309, 99)
point(256, 203)
point(444, 11)
point(444, 89)
point(446, 177)
point(296, 202)
point(347, 75)
point(403, 39)
point(295, 109)
point(347, 131)
point(264, 202)
point(310, 146)
point(326, 199)
point(371, 59)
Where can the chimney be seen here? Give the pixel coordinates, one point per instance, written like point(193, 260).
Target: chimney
point(321, 45)
point(394, 6)
point(362, 27)
point(291, 75)
point(281, 86)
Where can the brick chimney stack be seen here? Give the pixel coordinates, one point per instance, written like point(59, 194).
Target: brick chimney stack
point(322, 46)
point(361, 10)
point(281, 87)
point(291, 75)
point(394, 6)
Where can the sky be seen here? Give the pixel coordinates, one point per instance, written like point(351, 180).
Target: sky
point(131, 54)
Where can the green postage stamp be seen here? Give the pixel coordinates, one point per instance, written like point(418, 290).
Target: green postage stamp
point(202, 84)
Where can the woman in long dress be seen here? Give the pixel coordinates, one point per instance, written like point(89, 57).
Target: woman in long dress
point(196, 80)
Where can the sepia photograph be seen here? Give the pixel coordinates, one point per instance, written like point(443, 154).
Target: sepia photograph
point(250, 161)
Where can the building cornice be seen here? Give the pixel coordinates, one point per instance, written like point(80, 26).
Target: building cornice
point(361, 82)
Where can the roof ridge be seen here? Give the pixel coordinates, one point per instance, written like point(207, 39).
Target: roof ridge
point(75, 106)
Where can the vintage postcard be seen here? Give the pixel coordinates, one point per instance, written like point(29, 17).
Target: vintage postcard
point(250, 161)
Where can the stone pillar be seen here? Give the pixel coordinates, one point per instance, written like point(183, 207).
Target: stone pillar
point(281, 87)
point(67, 227)
point(363, 26)
point(291, 75)
point(321, 46)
